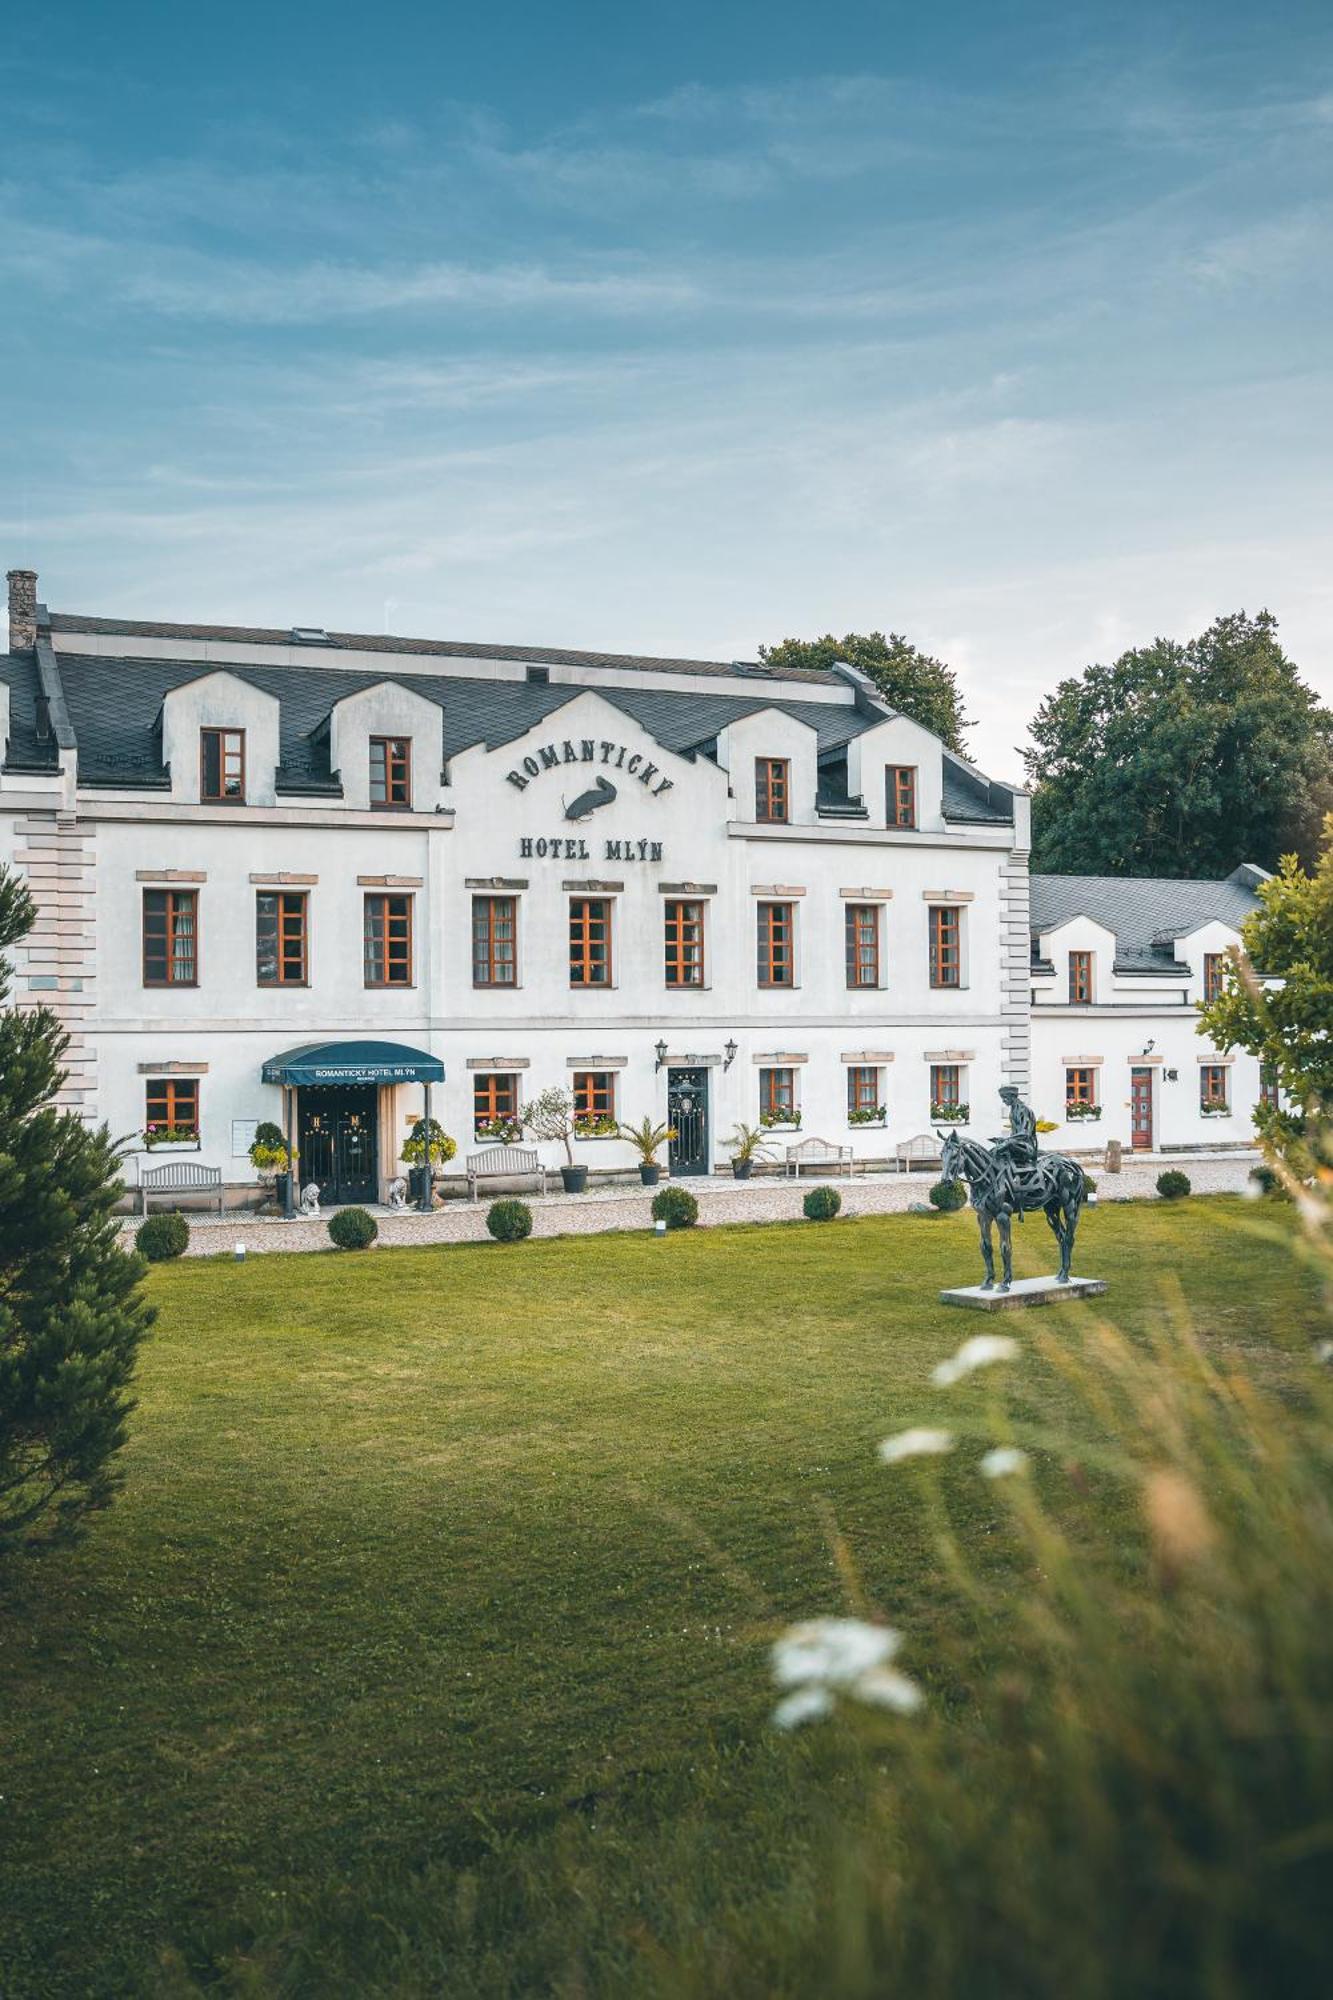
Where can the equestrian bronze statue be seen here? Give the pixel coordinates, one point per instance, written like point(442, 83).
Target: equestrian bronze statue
point(1011, 1178)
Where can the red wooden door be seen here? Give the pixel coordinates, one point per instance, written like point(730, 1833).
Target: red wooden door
point(1140, 1110)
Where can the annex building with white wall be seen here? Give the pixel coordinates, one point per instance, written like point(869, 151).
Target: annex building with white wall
point(300, 876)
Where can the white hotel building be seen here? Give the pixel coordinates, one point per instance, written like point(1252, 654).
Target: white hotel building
point(689, 889)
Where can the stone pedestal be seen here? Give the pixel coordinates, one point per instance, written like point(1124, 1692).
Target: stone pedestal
point(1023, 1292)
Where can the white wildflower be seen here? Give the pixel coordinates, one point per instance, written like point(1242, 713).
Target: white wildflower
point(919, 1443)
point(1002, 1459)
point(980, 1352)
point(808, 1704)
point(831, 1651)
point(885, 1687)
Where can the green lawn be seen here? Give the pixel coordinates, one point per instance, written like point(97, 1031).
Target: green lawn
point(436, 1568)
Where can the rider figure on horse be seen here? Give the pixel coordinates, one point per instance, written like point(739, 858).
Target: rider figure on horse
point(1017, 1151)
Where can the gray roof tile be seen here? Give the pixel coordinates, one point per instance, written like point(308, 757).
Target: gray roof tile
point(1146, 914)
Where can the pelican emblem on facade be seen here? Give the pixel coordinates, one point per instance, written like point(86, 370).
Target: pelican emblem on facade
point(600, 794)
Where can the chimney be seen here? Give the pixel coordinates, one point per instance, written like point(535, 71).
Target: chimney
point(22, 610)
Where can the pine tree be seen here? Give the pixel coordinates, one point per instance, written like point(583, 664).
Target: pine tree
point(71, 1309)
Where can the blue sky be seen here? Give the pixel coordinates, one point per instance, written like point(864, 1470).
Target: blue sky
point(677, 329)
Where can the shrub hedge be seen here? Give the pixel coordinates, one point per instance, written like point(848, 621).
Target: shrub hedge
point(1173, 1185)
point(821, 1204)
point(947, 1196)
point(509, 1220)
point(161, 1237)
point(353, 1228)
point(676, 1207)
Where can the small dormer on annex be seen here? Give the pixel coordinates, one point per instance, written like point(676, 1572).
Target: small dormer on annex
point(385, 748)
point(1203, 952)
point(220, 740)
point(1074, 966)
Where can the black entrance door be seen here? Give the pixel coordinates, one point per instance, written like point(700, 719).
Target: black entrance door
point(687, 1114)
point(337, 1144)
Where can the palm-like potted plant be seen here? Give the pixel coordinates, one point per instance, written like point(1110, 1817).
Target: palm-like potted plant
point(271, 1160)
point(746, 1145)
point(424, 1151)
point(550, 1116)
point(646, 1139)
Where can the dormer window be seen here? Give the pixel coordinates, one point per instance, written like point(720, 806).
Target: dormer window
point(900, 786)
point(772, 790)
point(390, 771)
point(222, 766)
point(1080, 978)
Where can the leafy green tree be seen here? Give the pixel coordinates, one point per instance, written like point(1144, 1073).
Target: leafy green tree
point(909, 680)
point(71, 1309)
point(1288, 1025)
point(1182, 759)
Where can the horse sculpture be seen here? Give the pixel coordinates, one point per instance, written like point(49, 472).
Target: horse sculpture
point(1001, 1186)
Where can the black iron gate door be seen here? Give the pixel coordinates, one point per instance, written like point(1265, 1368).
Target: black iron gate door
point(687, 1114)
point(337, 1144)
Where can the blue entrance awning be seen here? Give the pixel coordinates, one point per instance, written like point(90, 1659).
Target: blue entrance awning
point(352, 1062)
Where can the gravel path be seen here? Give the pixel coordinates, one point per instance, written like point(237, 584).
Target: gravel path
point(602, 1209)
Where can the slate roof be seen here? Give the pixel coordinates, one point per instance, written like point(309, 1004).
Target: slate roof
point(114, 704)
point(1146, 914)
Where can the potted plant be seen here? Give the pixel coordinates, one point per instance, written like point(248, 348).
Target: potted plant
point(502, 1131)
point(422, 1153)
point(783, 1121)
point(952, 1114)
point(1075, 1112)
point(181, 1136)
point(868, 1115)
point(646, 1138)
point(603, 1127)
point(746, 1145)
point(271, 1160)
point(551, 1117)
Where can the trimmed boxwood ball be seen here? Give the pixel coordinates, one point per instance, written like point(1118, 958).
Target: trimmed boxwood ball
point(1173, 1185)
point(676, 1207)
point(353, 1228)
point(1089, 1186)
point(1266, 1181)
point(947, 1196)
point(821, 1204)
point(509, 1221)
point(161, 1237)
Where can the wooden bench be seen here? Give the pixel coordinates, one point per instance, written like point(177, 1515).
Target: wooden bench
point(180, 1177)
point(922, 1151)
point(819, 1153)
point(504, 1163)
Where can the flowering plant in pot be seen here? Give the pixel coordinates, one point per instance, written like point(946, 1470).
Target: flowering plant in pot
point(869, 1115)
point(423, 1151)
point(785, 1120)
point(270, 1159)
point(746, 1145)
point(502, 1130)
point(950, 1114)
point(170, 1135)
point(550, 1116)
point(646, 1138)
point(1074, 1112)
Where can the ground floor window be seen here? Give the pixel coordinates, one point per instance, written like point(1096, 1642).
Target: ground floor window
point(495, 1105)
point(865, 1101)
point(1268, 1087)
point(946, 1092)
point(595, 1101)
point(777, 1097)
point(171, 1108)
point(1212, 1087)
point(1080, 1092)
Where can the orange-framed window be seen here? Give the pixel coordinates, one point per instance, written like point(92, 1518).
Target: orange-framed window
point(594, 1095)
point(1269, 1092)
point(170, 937)
point(222, 766)
point(777, 961)
point(494, 941)
point(1080, 978)
point(772, 790)
point(281, 937)
point(1080, 1086)
point(1213, 1086)
point(171, 1103)
point(946, 1086)
point(863, 1088)
point(946, 945)
point(388, 940)
point(684, 938)
point(900, 801)
point(390, 771)
point(590, 941)
point(494, 1099)
point(1214, 965)
point(777, 1095)
point(862, 938)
